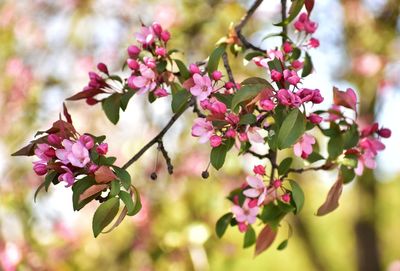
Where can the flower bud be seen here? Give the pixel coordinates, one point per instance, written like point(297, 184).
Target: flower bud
point(132, 64)
point(194, 69)
point(157, 28)
point(102, 67)
point(385, 132)
point(230, 133)
point(165, 36)
point(277, 183)
point(276, 76)
point(102, 149)
point(286, 198)
point(50, 152)
point(253, 203)
point(160, 92)
point(215, 141)
point(40, 169)
point(161, 51)
point(287, 47)
point(259, 169)
point(216, 75)
point(267, 104)
point(54, 139)
point(314, 118)
point(91, 101)
point(133, 51)
point(87, 141)
point(242, 226)
point(229, 85)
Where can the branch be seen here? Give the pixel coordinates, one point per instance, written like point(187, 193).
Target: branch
point(166, 156)
point(326, 166)
point(243, 22)
point(159, 136)
point(228, 69)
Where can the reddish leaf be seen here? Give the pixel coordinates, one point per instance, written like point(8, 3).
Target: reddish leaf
point(265, 239)
point(346, 98)
point(332, 200)
point(84, 94)
point(28, 150)
point(188, 83)
point(62, 128)
point(264, 94)
point(94, 189)
point(309, 6)
point(104, 175)
point(66, 114)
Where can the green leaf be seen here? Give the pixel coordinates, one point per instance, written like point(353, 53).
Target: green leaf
point(247, 92)
point(214, 58)
point(41, 186)
point(257, 81)
point(127, 199)
point(123, 176)
point(284, 166)
point(179, 99)
point(226, 99)
point(111, 107)
point(292, 129)
point(50, 177)
point(137, 206)
point(125, 99)
point(275, 64)
point(184, 72)
point(274, 213)
point(78, 188)
point(222, 224)
point(347, 174)
point(253, 54)
point(297, 195)
point(314, 157)
point(161, 66)
point(335, 147)
point(351, 137)
point(249, 237)
point(283, 245)
point(308, 66)
point(247, 119)
point(115, 188)
point(294, 10)
point(106, 161)
point(104, 215)
point(296, 53)
point(217, 156)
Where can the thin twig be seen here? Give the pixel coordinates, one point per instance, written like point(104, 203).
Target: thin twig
point(228, 69)
point(164, 152)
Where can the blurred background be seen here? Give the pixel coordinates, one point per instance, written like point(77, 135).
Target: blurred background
point(46, 49)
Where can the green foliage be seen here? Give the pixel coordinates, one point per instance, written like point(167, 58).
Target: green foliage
point(292, 129)
point(222, 224)
point(104, 215)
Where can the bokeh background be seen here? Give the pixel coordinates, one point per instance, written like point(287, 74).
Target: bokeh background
point(46, 49)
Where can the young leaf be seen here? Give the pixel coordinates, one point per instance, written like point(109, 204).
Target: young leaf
point(111, 107)
point(298, 196)
point(214, 58)
point(253, 54)
point(332, 200)
point(249, 237)
point(247, 119)
point(292, 129)
point(347, 174)
point(137, 206)
point(335, 146)
point(247, 92)
point(265, 239)
point(222, 224)
point(125, 99)
point(127, 199)
point(284, 165)
point(308, 66)
point(179, 99)
point(104, 215)
point(115, 188)
point(184, 72)
point(294, 10)
point(283, 245)
point(217, 156)
point(124, 177)
point(78, 189)
point(104, 175)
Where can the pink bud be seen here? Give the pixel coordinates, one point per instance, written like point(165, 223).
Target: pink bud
point(50, 152)
point(286, 198)
point(157, 28)
point(313, 43)
point(243, 137)
point(287, 47)
point(160, 92)
point(40, 169)
point(314, 118)
point(102, 67)
point(91, 101)
point(132, 64)
point(54, 139)
point(259, 169)
point(297, 64)
point(93, 168)
point(229, 85)
point(102, 149)
point(242, 226)
point(215, 141)
point(165, 36)
point(230, 133)
point(216, 75)
point(276, 76)
point(277, 183)
point(385, 132)
point(253, 203)
point(161, 51)
point(87, 141)
point(133, 51)
point(236, 199)
point(194, 69)
point(267, 104)
point(232, 118)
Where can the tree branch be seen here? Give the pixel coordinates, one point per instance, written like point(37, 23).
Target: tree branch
point(243, 22)
point(164, 152)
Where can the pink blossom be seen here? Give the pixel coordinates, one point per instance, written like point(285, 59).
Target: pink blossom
point(297, 64)
point(257, 190)
point(230, 133)
point(287, 47)
point(303, 23)
point(245, 213)
point(157, 28)
point(286, 197)
point(41, 150)
point(215, 141)
point(54, 139)
point(372, 145)
point(259, 169)
point(40, 168)
point(314, 118)
point(277, 183)
point(149, 62)
point(303, 148)
point(385, 132)
point(288, 98)
point(254, 136)
point(243, 137)
point(145, 36)
point(272, 54)
point(161, 51)
point(193, 68)
point(203, 129)
point(145, 82)
point(216, 75)
point(267, 104)
point(310, 95)
point(313, 43)
point(367, 159)
point(74, 153)
point(232, 118)
point(87, 141)
point(346, 98)
point(165, 36)
point(369, 129)
point(202, 86)
point(291, 77)
point(132, 64)
point(67, 176)
point(133, 51)
point(160, 92)
point(276, 76)
point(229, 85)
point(102, 149)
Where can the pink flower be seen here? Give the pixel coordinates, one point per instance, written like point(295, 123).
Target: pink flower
point(232, 118)
point(133, 64)
point(371, 145)
point(165, 36)
point(303, 23)
point(367, 159)
point(313, 43)
point(74, 153)
point(259, 169)
point(288, 98)
point(230, 133)
point(287, 47)
point(276, 76)
point(145, 82)
point(145, 36)
point(67, 176)
point(102, 149)
point(157, 28)
point(257, 190)
point(346, 98)
point(161, 51)
point(267, 104)
point(272, 54)
point(245, 213)
point(39, 168)
point(215, 141)
point(102, 67)
point(202, 86)
point(41, 150)
point(291, 77)
point(310, 95)
point(160, 92)
point(303, 148)
point(87, 141)
point(297, 64)
point(286, 198)
point(314, 118)
point(54, 139)
point(254, 136)
point(203, 129)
